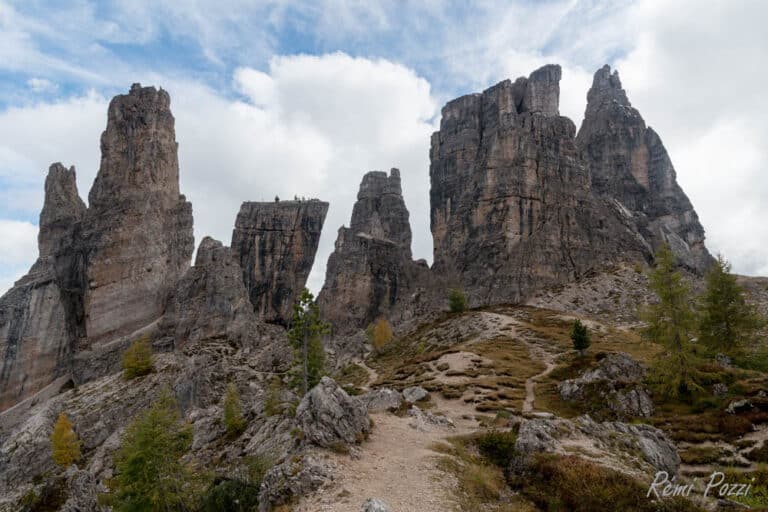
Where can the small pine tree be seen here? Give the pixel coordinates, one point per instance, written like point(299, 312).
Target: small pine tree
point(137, 359)
point(233, 412)
point(457, 301)
point(381, 335)
point(580, 337)
point(65, 446)
point(150, 474)
point(670, 323)
point(305, 334)
point(726, 323)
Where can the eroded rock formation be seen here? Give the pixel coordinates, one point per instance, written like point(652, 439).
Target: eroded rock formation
point(371, 270)
point(210, 301)
point(511, 205)
point(275, 244)
point(628, 162)
point(137, 236)
point(105, 271)
point(39, 315)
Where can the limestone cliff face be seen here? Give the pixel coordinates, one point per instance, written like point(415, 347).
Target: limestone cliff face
point(39, 315)
point(137, 234)
point(370, 273)
point(210, 301)
point(104, 271)
point(628, 162)
point(511, 204)
point(275, 244)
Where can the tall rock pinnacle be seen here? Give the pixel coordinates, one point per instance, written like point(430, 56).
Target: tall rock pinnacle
point(370, 270)
point(628, 162)
point(275, 244)
point(138, 230)
point(511, 206)
point(39, 316)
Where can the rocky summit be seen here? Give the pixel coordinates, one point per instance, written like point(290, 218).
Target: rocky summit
point(371, 272)
point(628, 163)
point(413, 401)
point(275, 244)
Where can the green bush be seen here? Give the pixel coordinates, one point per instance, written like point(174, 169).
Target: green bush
point(231, 495)
point(137, 359)
point(457, 301)
point(233, 412)
point(498, 447)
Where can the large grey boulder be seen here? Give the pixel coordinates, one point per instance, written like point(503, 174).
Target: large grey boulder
point(296, 477)
point(328, 416)
point(382, 399)
point(617, 382)
point(634, 447)
point(374, 505)
point(415, 394)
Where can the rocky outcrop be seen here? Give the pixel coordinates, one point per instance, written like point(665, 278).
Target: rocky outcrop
point(104, 272)
point(40, 315)
point(370, 271)
point(631, 448)
point(382, 399)
point(328, 416)
point(211, 302)
point(614, 388)
point(137, 235)
point(511, 204)
point(627, 162)
point(275, 244)
point(294, 478)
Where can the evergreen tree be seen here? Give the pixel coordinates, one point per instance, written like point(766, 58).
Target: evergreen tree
point(137, 359)
point(670, 323)
point(381, 334)
point(150, 474)
point(580, 337)
point(233, 411)
point(727, 323)
point(65, 446)
point(457, 301)
point(305, 333)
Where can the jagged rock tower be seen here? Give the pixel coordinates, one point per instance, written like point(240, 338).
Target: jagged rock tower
point(138, 231)
point(370, 271)
point(105, 271)
point(511, 203)
point(628, 162)
point(275, 244)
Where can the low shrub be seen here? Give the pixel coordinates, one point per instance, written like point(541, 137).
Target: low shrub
point(497, 447)
point(232, 495)
point(457, 301)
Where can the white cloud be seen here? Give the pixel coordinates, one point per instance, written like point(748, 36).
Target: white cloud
point(40, 85)
point(696, 75)
point(18, 248)
point(311, 126)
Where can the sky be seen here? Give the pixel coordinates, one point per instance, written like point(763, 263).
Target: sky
point(286, 97)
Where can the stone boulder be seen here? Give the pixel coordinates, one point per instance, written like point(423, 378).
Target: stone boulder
point(415, 394)
point(614, 386)
point(328, 416)
point(425, 420)
point(382, 399)
point(631, 447)
point(374, 505)
point(294, 478)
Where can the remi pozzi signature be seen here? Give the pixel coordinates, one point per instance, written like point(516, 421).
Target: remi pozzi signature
point(664, 487)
